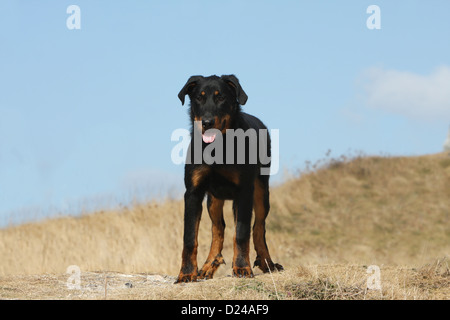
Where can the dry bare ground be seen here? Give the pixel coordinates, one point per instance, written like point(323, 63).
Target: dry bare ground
point(313, 282)
point(327, 226)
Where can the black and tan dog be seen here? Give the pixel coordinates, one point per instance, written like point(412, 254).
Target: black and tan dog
point(216, 104)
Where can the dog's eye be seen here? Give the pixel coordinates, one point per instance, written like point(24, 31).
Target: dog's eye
point(220, 98)
point(199, 98)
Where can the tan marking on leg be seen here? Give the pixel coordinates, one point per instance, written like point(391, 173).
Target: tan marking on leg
point(199, 174)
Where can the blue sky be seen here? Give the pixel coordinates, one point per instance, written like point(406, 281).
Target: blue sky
point(86, 115)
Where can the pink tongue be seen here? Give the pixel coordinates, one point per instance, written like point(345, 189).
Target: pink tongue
point(208, 137)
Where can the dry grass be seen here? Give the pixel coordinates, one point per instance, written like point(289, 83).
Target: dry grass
point(369, 209)
point(325, 225)
point(313, 282)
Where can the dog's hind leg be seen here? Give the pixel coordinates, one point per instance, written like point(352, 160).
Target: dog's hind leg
point(261, 206)
point(215, 259)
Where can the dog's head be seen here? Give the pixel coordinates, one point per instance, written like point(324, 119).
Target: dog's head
point(214, 102)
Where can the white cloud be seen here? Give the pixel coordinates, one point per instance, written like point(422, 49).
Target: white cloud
point(407, 93)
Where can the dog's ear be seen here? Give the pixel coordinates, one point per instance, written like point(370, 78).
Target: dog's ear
point(232, 81)
point(192, 82)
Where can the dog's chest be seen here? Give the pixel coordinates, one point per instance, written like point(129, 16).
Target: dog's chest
point(223, 183)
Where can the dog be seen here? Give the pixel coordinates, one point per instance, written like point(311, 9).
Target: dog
point(215, 109)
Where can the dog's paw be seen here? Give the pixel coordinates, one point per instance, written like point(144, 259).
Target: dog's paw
point(242, 272)
point(267, 265)
point(210, 267)
point(183, 278)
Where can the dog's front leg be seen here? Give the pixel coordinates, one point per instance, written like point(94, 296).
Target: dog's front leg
point(192, 214)
point(242, 208)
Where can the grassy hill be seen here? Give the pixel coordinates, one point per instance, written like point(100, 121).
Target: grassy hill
point(325, 227)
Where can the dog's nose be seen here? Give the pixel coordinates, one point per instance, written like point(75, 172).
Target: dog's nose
point(207, 123)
